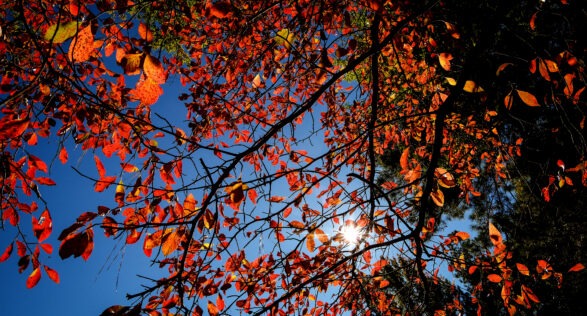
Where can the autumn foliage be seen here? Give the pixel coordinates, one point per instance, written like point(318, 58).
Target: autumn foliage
point(287, 110)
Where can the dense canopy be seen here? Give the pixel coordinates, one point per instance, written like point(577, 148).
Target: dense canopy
point(316, 156)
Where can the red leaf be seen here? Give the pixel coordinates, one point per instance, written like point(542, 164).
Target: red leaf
point(7, 253)
point(43, 227)
point(219, 10)
point(212, 309)
point(104, 183)
point(100, 167)
point(276, 199)
point(13, 128)
point(48, 248)
point(45, 181)
point(297, 224)
point(252, 194)
point(20, 248)
point(63, 156)
point(577, 267)
point(53, 275)
point(38, 163)
point(110, 226)
point(33, 278)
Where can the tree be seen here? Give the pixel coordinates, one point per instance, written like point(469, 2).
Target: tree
point(290, 106)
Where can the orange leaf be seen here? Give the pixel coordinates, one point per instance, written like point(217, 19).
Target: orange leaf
point(577, 267)
point(297, 224)
point(445, 179)
point(147, 91)
point(13, 128)
point(189, 204)
point(462, 235)
point(276, 199)
point(403, 161)
point(508, 101)
point(219, 10)
point(154, 69)
point(170, 242)
point(82, 46)
point(236, 194)
point(444, 60)
point(472, 87)
point(145, 33)
point(33, 278)
point(212, 309)
point(527, 292)
point(252, 194)
point(502, 67)
point(310, 242)
point(321, 235)
point(495, 235)
point(495, 278)
point(523, 269)
point(53, 275)
point(528, 98)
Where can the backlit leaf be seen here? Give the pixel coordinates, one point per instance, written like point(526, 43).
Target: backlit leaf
point(577, 267)
point(100, 167)
point(33, 278)
point(42, 227)
point(495, 235)
point(104, 183)
point(310, 242)
point(297, 224)
point(523, 269)
point(285, 37)
point(319, 233)
point(147, 91)
point(444, 59)
point(145, 33)
point(437, 197)
point(60, 33)
point(82, 46)
point(170, 242)
point(7, 252)
point(528, 98)
point(53, 275)
point(462, 235)
point(496, 278)
point(131, 63)
point(154, 69)
point(472, 87)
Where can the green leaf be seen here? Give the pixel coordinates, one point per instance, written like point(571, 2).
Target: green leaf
point(61, 32)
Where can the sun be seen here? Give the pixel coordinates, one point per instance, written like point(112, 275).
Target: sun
point(351, 233)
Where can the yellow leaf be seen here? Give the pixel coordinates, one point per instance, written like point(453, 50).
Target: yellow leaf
point(444, 60)
point(437, 197)
point(495, 235)
point(285, 38)
point(60, 33)
point(451, 81)
point(131, 63)
point(154, 70)
point(527, 98)
point(472, 87)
